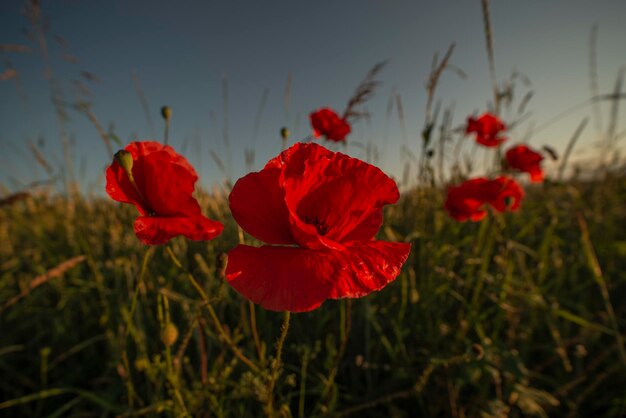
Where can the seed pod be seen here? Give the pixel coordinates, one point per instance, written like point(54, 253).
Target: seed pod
point(125, 160)
point(169, 334)
point(166, 112)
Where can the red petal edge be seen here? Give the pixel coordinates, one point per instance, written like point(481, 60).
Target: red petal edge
point(257, 203)
point(298, 280)
point(156, 230)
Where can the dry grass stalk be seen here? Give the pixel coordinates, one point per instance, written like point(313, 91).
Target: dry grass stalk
point(8, 74)
point(593, 77)
point(39, 280)
point(143, 101)
point(287, 97)
point(14, 48)
point(363, 92)
point(433, 80)
point(40, 158)
point(490, 54)
point(86, 108)
point(596, 270)
point(570, 147)
point(257, 122)
point(12, 198)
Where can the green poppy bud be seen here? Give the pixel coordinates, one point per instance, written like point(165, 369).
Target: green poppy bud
point(166, 112)
point(169, 335)
point(284, 133)
point(125, 160)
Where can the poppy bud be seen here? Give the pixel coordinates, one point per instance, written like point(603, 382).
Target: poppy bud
point(125, 160)
point(169, 334)
point(284, 133)
point(166, 112)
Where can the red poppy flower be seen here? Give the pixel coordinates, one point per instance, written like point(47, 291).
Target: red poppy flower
point(326, 122)
point(524, 159)
point(320, 211)
point(506, 194)
point(487, 128)
point(161, 188)
point(468, 200)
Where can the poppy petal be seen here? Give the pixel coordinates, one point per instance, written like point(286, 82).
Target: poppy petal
point(119, 188)
point(156, 230)
point(523, 158)
point(466, 201)
point(536, 175)
point(280, 278)
point(298, 280)
point(367, 267)
point(487, 128)
point(143, 148)
point(257, 203)
point(165, 179)
point(367, 229)
point(335, 190)
point(508, 195)
point(167, 187)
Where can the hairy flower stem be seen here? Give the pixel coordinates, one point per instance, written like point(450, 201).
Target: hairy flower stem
point(276, 365)
point(213, 315)
point(129, 319)
point(163, 313)
point(166, 134)
point(142, 273)
point(255, 334)
point(345, 325)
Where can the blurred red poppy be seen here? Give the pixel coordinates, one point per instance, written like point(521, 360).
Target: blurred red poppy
point(506, 194)
point(524, 159)
point(319, 211)
point(327, 123)
point(487, 129)
point(160, 183)
point(467, 201)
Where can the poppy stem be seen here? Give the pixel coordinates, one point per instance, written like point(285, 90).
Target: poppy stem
point(142, 273)
point(255, 333)
point(212, 314)
point(167, 131)
point(129, 319)
point(276, 365)
point(163, 310)
point(345, 325)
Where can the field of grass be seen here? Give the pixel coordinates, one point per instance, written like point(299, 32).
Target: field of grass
point(519, 315)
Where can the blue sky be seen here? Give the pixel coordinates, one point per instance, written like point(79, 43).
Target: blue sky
point(182, 51)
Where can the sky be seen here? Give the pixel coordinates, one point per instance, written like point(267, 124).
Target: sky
point(181, 53)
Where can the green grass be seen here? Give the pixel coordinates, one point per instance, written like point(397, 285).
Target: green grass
point(519, 315)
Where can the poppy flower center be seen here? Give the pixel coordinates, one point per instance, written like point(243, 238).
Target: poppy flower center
point(319, 224)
